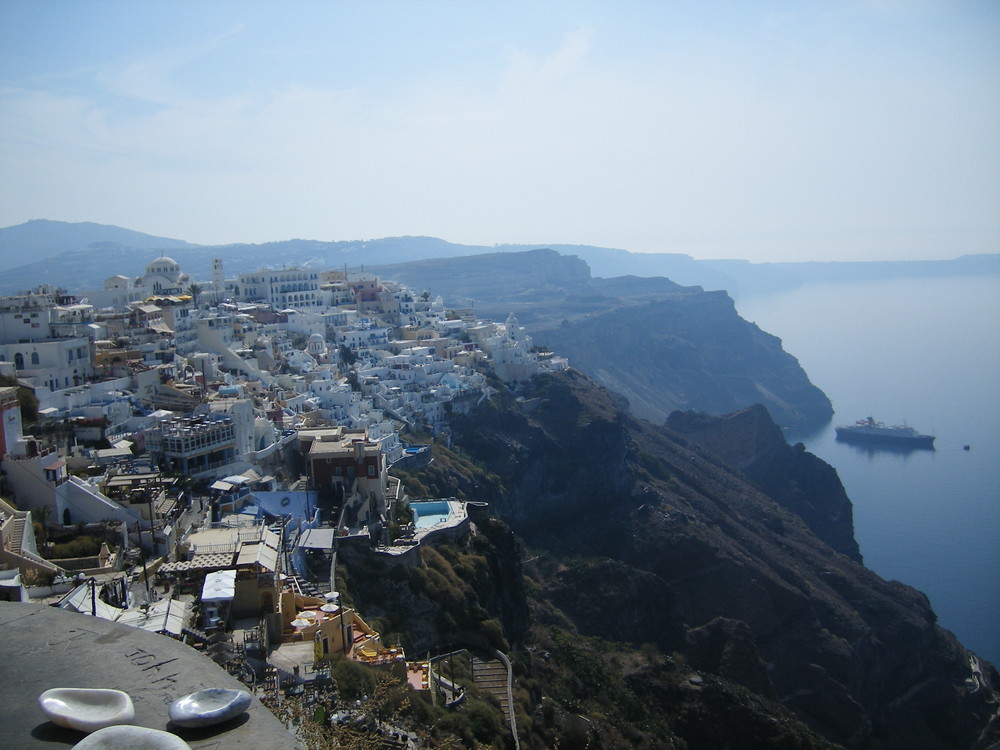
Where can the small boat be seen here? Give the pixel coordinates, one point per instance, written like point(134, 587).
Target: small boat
point(870, 431)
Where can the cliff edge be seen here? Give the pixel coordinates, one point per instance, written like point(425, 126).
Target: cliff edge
point(750, 441)
point(659, 541)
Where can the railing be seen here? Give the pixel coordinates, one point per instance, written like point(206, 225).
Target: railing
point(510, 696)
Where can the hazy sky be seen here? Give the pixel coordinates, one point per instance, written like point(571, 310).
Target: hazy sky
point(752, 129)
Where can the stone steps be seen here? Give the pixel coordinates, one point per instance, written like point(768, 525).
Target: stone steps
point(17, 534)
point(490, 677)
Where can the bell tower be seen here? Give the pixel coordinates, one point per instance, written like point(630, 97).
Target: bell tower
point(218, 278)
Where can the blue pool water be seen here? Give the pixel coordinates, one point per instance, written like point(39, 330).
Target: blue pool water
point(430, 513)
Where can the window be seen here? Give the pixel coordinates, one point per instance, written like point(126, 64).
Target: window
point(34, 358)
point(19, 361)
point(371, 470)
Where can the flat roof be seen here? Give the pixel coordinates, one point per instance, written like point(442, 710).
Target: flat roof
point(317, 539)
point(344, 447)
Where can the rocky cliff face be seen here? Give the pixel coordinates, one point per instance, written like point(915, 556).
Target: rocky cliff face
point(751, 442)
point(443, 599)
point(666, 544)
point(689, 350)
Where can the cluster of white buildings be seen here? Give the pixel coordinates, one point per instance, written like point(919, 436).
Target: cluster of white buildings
point(232, 378)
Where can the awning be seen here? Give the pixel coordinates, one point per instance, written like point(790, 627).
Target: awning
point(258, 553)
point(219, 586)
point(200, 562)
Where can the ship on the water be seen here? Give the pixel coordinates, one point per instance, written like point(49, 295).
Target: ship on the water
point(870, 431)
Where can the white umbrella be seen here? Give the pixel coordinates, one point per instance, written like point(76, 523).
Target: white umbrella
point(298, 622)
point(330, 607)
point(307, 615)
point(332, 596)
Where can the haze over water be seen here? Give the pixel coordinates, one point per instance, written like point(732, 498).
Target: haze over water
point(927, 352)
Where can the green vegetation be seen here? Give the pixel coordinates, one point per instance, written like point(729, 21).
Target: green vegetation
point(329, 720)
point(81, 546)
point(452, 473)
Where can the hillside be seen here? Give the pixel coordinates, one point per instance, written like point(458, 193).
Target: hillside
point(40, 239)
point(636, 534)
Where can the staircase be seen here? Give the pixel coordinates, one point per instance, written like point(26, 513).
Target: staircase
point(304, 587)
point(200, 636)
point(16, 534)
point(490, 677)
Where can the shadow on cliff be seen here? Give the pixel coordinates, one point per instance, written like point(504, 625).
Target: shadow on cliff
point(752, 574)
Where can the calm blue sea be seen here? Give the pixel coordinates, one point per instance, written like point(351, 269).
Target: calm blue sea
point(925, 352)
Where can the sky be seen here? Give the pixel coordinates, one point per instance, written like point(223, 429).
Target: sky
point(770, 131)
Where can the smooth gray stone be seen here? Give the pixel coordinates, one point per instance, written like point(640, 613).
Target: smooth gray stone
point(209, 706)
point(131, 738)
point(86, 709)
point(48, 647)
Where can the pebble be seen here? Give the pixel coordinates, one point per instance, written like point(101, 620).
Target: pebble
point(209, 706)
point(86, 709)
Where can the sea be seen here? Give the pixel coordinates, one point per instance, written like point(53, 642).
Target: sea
point(926, 353)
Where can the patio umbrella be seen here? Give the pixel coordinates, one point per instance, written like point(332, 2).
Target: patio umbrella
point(332, 595)
point(298, 622)
point(307, 614)
point(330, 607)
point(222, 657)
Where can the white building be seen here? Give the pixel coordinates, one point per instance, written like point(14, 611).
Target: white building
point(292, 288)
point(50, 365)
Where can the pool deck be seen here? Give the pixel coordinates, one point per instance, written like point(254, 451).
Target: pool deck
point(458, 518)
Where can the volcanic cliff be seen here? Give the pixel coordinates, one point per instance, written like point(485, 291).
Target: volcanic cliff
point(657, 539)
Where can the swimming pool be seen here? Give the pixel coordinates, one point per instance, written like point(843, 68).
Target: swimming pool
point(430, 513)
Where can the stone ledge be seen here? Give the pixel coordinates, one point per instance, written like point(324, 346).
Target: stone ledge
point(46, 647)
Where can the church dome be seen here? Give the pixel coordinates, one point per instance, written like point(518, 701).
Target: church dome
point(163, 264)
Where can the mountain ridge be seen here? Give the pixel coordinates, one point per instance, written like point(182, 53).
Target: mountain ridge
point(32, 239)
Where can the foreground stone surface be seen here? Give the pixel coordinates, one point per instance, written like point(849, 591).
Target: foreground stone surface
point(48, 648)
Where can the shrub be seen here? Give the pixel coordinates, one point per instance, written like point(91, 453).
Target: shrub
point(81, 546)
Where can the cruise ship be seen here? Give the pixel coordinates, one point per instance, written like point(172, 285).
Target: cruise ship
point(870, 431)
